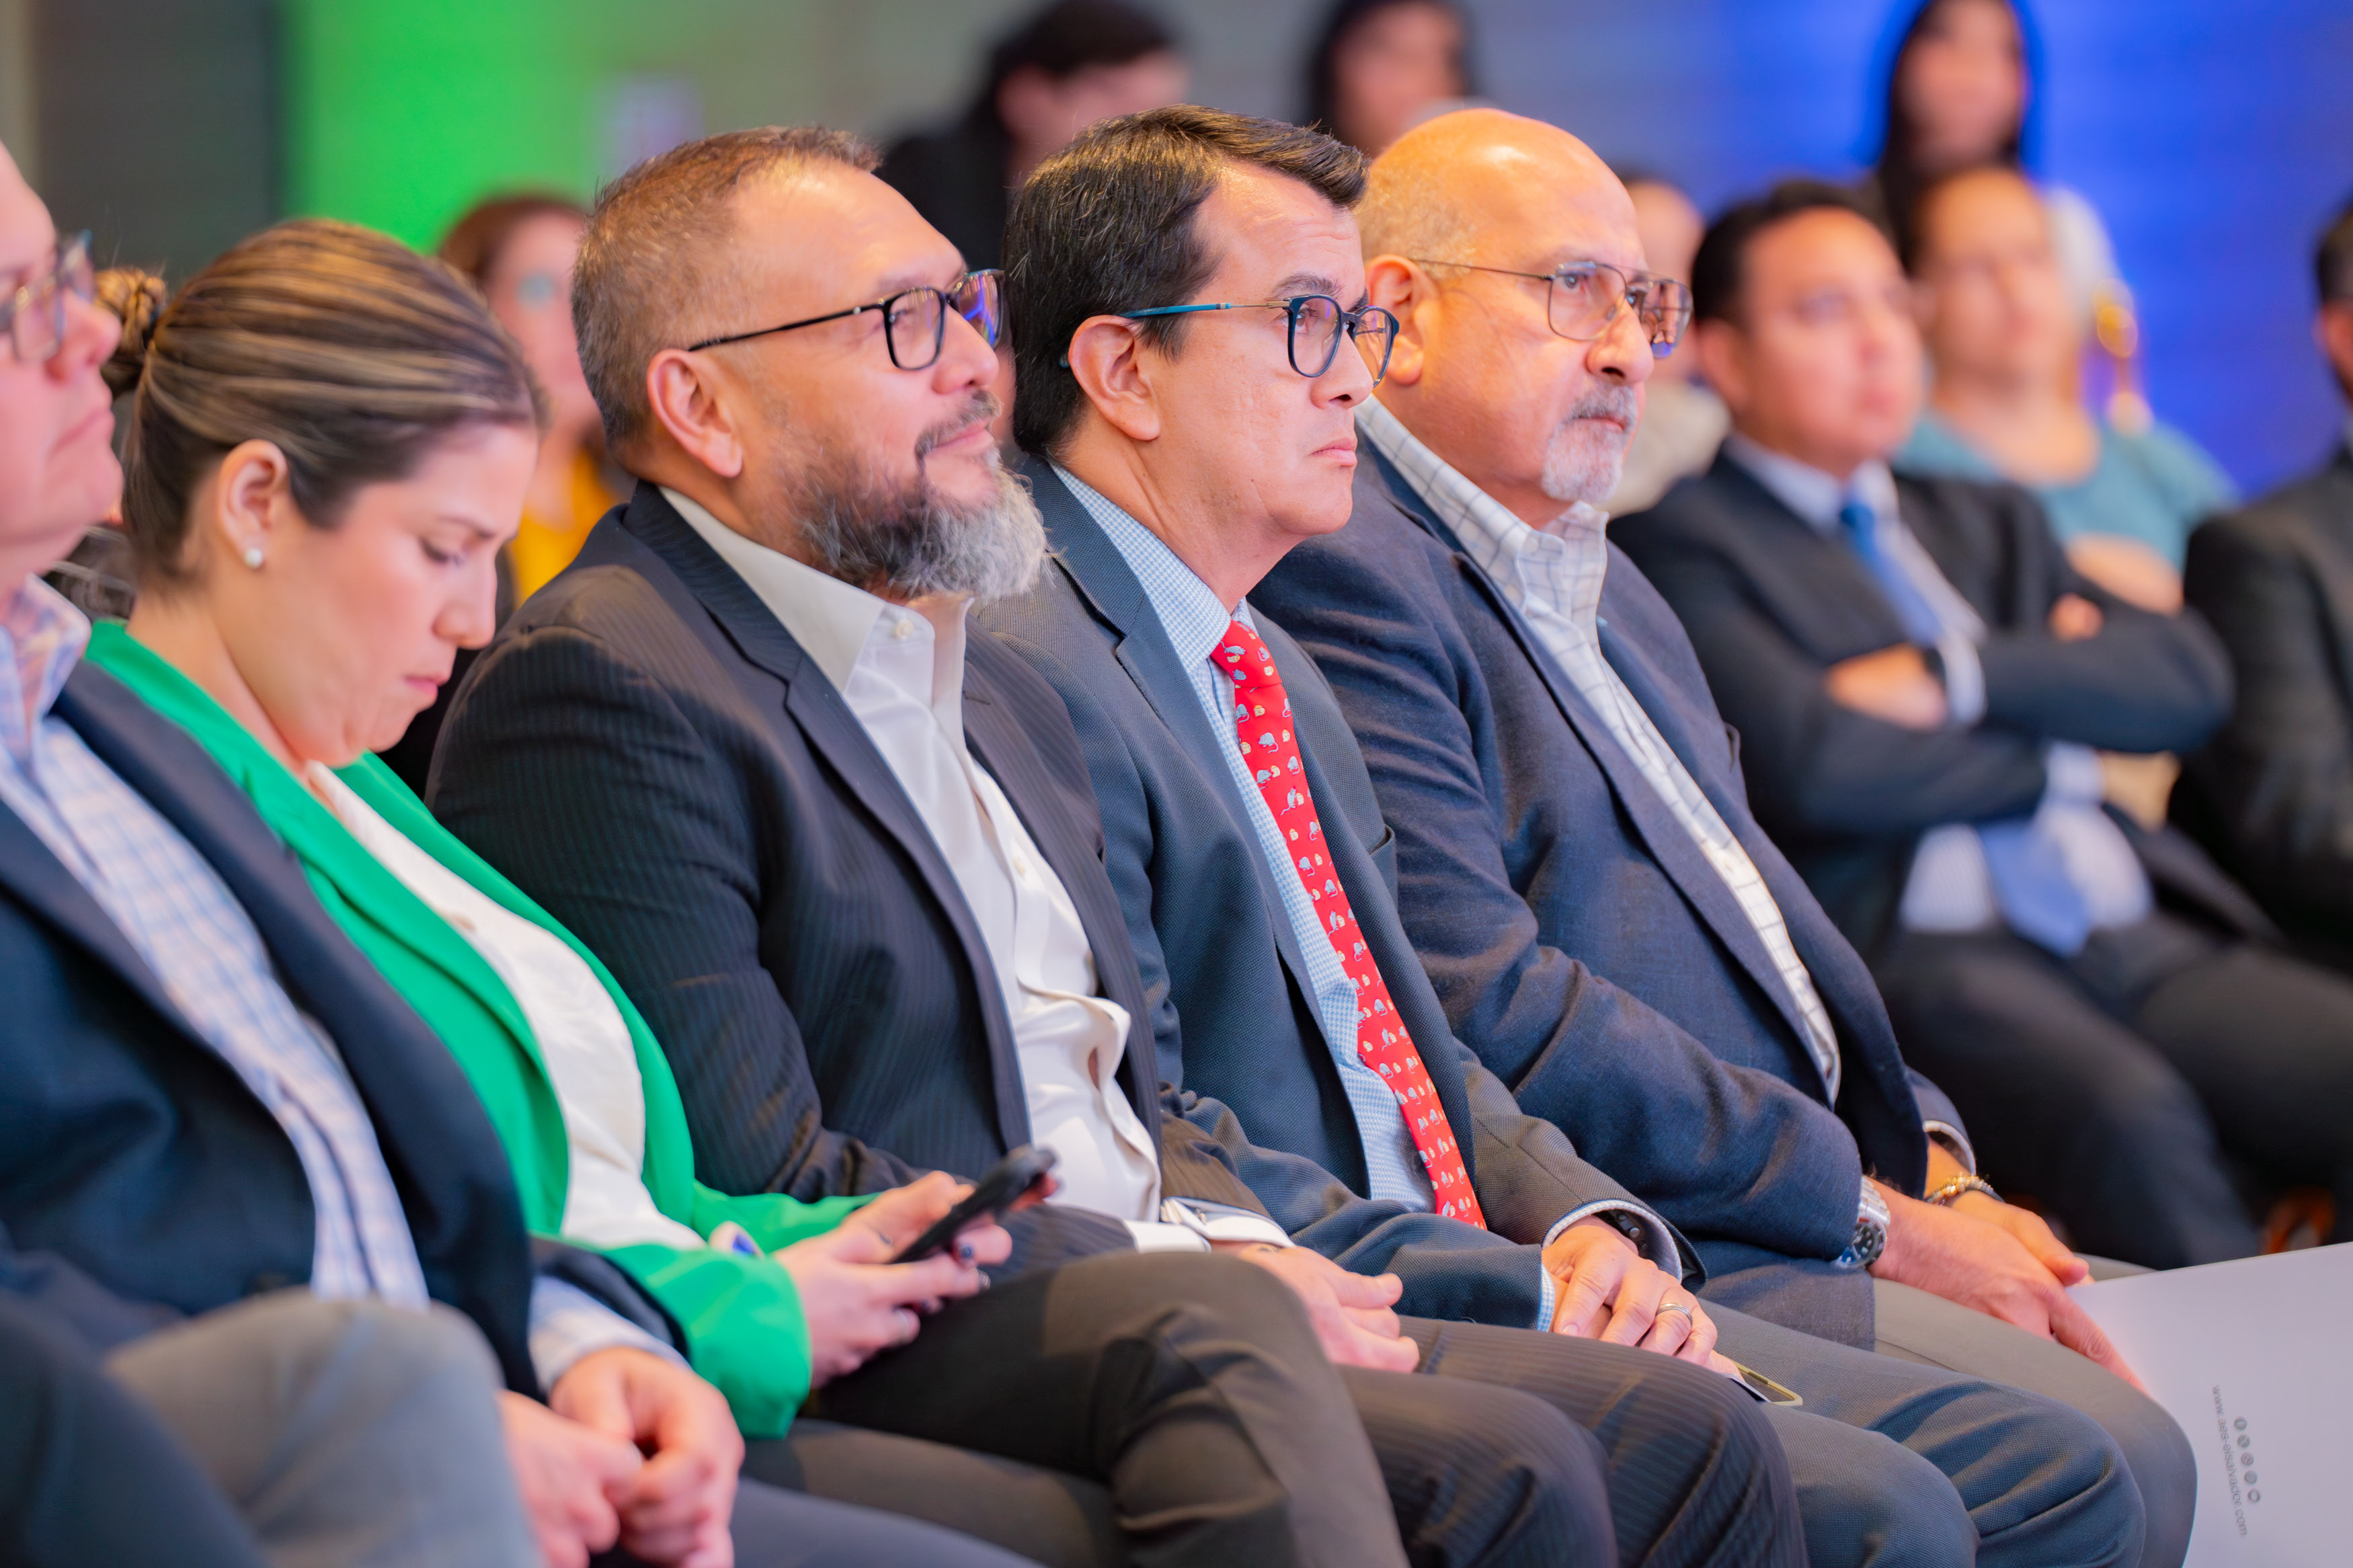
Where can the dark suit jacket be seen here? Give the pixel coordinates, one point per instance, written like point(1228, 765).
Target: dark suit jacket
point(1771, 604)
point(1230, 1004)
point(140, 1180)
point(954, 176)
point(2271, 794)
point(1583, 945)
point(647, 752)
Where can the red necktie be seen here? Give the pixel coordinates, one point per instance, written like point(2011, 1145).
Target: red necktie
point(1262, 724)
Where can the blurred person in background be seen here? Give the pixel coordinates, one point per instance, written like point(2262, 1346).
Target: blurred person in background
point(1683, 423)
point(519, 251)
point(1381, 67)
point(1919, 679)
point(1959, 93)
point(2271, 794)
point(1070, 65)
point(2003, 405)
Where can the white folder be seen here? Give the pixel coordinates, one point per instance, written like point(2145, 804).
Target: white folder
point(2254, 1359)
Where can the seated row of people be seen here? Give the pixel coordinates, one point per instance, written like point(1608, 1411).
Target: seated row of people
point(257, 1104)
point(818, 831)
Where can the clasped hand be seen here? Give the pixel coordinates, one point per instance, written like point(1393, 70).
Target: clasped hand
point(634, 1450)
point(2000, 1260)
point(1603, 1290)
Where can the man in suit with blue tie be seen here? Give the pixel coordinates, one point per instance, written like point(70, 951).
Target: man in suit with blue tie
point(1178, 452)
point(1926, 687)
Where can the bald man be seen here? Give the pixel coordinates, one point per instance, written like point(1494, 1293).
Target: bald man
point(1602, 918)
point(1171, 472)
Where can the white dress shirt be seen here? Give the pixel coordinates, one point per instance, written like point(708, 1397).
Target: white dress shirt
point(902, 677)
point(1950, 887)
point(1554, 577)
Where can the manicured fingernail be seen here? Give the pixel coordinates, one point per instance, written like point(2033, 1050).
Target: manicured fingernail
point(964, 1253)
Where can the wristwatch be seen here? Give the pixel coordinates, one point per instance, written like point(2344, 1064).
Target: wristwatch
point(1870, 1230)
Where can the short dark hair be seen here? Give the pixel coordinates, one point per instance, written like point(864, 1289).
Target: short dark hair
point(1107, 225)
point(1719, 268)
point(2332, 264)
point(1065, 39)
point(651, 275)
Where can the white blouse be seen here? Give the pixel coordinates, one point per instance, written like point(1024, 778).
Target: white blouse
point(582, 1039)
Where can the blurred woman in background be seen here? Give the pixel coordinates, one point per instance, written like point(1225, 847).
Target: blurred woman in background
point(1380, 67)
point(519, 250)
point(1994, 311)
point(1959, 94)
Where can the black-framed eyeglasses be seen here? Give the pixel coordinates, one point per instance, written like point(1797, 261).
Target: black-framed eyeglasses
point(914, 321)
point(35, 316)
point(1582, 298)
point(1314, 322)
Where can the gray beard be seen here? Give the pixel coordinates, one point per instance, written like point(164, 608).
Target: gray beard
point(912, 540)
point(1585, 459)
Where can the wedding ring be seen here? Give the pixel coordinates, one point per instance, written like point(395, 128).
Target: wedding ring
point(1673, 1306)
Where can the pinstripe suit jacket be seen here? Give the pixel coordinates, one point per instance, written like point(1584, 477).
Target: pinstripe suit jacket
point(647, 752)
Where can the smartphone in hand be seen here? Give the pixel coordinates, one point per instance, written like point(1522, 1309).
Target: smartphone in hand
point(995, 1193)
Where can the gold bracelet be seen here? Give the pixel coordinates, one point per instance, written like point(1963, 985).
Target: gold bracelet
point(1966, 1182)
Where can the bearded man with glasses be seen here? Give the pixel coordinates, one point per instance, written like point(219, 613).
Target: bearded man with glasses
point(1184, 472)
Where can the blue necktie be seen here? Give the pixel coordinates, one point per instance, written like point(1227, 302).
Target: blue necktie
point(1922, 624)
point(2037, 898)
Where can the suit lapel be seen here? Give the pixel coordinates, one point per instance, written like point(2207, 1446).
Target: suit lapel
point(834, 733)
point(1661, 834)
point(1097, 569)
point(41, 882)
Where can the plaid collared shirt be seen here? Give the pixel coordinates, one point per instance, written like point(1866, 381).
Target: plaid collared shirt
point(1552, 576)
point(179, 917)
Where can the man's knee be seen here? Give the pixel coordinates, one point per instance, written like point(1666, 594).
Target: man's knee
point(1870, 1502)
point(1503, 1470)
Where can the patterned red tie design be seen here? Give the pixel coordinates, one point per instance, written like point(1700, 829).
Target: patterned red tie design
point(1262, 724)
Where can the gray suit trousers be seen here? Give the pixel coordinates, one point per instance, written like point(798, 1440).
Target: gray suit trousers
point(348, 1434)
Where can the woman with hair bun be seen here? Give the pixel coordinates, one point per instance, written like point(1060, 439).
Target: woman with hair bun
point(332, 439)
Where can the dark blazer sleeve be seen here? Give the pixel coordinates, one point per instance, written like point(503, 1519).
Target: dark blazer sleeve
point(2148, 682)
point(2279, 777)
point(1450, 1270)
point(63, 1294)
point(1575, 1049)
point(579, 777)
point(1814, 767)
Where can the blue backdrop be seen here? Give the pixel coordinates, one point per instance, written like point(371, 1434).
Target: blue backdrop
point(2216, 139)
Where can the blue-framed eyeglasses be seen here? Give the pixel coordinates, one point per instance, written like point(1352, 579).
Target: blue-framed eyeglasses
point(1314, 322)
point(914, 321)
point(34, 317)
point(1582, 298)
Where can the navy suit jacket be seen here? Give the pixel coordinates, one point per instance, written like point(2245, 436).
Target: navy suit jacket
point(1581, 942)
point(647, 750)
point(1230, 1003)
point(1771, 603)
point(141, 1180)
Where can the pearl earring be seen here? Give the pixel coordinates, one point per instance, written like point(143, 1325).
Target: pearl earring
point(253, 556)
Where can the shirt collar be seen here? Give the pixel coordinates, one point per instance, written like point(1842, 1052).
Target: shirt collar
point(1494, 535)
point(1813, 494)
point(836, 623)
point(1189, 610)
point(42, 637)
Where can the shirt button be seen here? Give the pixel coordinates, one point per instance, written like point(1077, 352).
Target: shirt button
point(902, 630)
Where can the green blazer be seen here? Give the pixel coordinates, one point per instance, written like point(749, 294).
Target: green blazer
point(742, 1316)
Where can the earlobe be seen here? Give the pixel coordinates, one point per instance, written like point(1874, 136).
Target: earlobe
point(245, 492)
